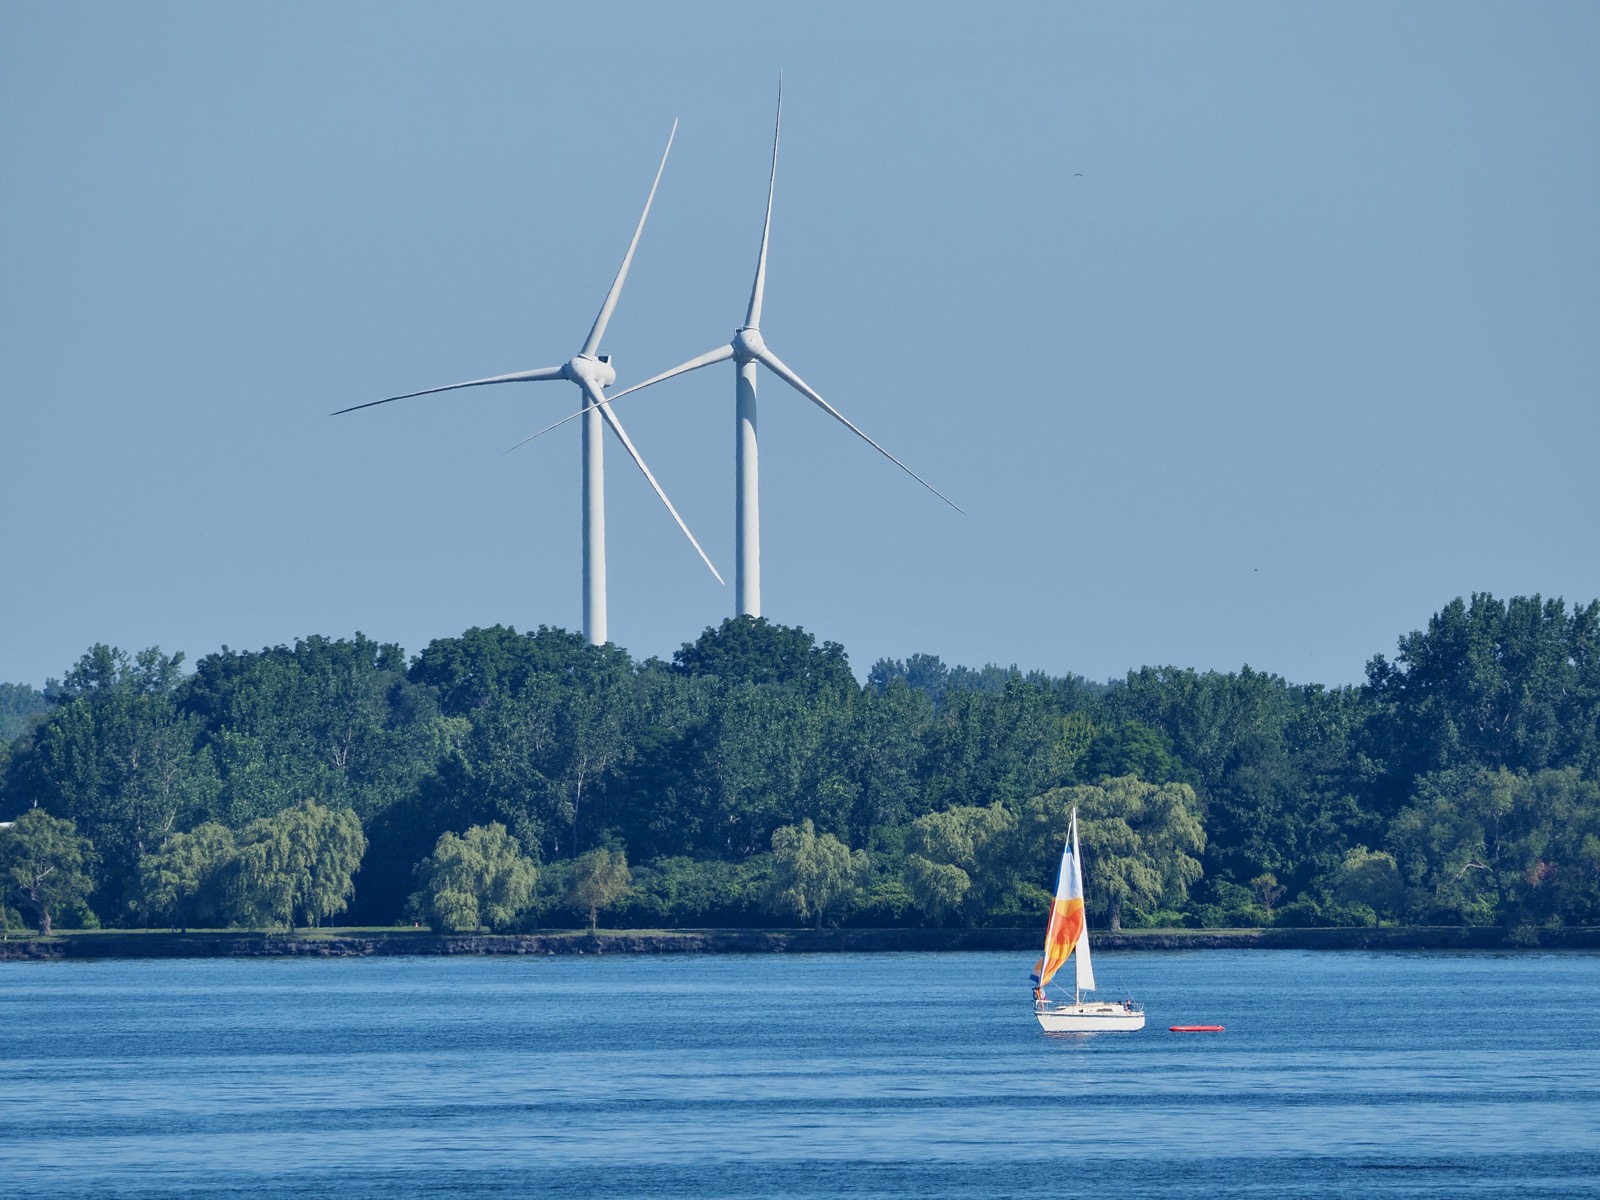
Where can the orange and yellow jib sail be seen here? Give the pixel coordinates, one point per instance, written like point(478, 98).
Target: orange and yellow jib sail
point(1067, 930)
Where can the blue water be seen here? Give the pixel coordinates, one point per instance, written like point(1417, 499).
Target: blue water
point(1340, 1074)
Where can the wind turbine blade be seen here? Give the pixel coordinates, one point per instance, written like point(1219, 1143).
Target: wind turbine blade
point(775, 365)
point(593, 343)
point(720, 354)
point(752, 316)
point(599, 401)
point(516, 377)
point(542, 432)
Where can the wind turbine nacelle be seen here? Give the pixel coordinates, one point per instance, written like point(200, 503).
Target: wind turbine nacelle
point(747, 344)
point(597, 371)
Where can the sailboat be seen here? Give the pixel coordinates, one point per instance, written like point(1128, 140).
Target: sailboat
point(1068, 931)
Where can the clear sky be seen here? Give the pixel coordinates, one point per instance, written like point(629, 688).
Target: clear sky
point(1244, 333)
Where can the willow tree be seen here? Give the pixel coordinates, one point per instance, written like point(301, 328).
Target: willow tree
point(811, 872)
point(479, 878)
point(956, 859)
point(1141, 841)
point(300, 863)
point(1371, 878)
point(187, 881)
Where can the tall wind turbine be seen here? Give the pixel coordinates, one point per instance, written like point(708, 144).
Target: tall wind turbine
point(593, 373)
point(746, 350)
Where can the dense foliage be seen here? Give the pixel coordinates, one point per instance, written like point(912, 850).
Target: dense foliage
point(480, 878)
point(508, 779)
point(19, 702)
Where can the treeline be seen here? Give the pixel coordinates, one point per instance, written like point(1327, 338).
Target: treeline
point(18, 702)
point(510, 780)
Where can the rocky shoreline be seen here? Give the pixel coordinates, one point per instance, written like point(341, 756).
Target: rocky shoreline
point(337, 943)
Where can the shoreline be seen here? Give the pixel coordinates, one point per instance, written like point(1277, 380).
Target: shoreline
point(348, 943)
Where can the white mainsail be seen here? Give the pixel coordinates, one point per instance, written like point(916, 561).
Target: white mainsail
point(1085, 979)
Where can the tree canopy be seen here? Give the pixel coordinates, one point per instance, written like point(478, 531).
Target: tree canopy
point(1458, 783)
point(298, 867)
point(480, 878)
point(44, 866)
point(811, 873)
point(18, 703)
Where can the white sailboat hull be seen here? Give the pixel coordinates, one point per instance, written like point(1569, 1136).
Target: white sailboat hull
point(1113, 1016)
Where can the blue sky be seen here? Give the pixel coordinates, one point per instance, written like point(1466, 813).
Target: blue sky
point(1246, 333)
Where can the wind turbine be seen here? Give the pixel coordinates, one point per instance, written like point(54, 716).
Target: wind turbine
point(746, 350)
point(593, 373)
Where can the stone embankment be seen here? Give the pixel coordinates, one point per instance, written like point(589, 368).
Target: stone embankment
point(336, 943)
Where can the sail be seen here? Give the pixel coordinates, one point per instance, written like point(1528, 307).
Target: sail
point(1085, 981)
point(1067, 929)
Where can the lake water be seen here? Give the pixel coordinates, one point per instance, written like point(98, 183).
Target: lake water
point(1340, 1074)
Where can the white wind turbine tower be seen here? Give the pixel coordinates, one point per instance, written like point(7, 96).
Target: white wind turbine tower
point(747, 349)
point(593, 373)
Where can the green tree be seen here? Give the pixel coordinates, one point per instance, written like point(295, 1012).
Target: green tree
point(939, 889)
point(1568, 874)
point(119, 758)
point(1486, 847)
point(1268, 891)
point(1141, 842)
point(592, 725)
point(752, 650)
point(882, 752)
point(996, 747)
point(479, 878)
point(467, 672)
point(952, 866)
point(1371, 878)
point(335, 718)
point(924, 673)
point(298, 866)
point(600, 878)
point(44, 864)
point(811, 873)
point(1278, 768)
point(1206, 715)
point(405, 833)
point(1513, 684)
point(658, 807)
point(188, 881)
point(542, 753)
point(1130, 748)
point(761, 757)
point(19, 704)
point(681, 890)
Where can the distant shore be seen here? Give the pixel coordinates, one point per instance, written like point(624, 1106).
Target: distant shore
point(344, 943)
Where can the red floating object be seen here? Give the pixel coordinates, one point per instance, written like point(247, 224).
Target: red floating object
point(1196, 1028)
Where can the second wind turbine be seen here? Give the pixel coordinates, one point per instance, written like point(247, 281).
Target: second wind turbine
point(593, 373)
